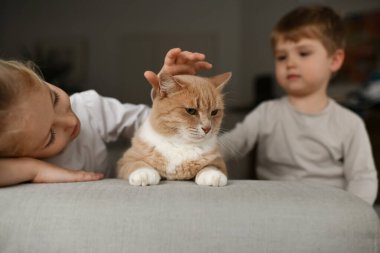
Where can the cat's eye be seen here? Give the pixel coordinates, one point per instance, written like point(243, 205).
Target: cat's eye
point(214, 112)
point(191, 111)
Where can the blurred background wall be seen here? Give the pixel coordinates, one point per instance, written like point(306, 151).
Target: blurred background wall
point(107, 45)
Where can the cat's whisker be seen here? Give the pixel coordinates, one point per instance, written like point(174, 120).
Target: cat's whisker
point(223, 130)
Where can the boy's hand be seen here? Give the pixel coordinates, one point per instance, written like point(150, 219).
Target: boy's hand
point(179, 62)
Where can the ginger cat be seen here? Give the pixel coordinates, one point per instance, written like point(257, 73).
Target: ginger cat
point(179, 139)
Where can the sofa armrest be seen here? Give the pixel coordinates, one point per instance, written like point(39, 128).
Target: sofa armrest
point(244, 216)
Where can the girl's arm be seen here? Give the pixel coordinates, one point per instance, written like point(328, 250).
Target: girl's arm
point(19, 170)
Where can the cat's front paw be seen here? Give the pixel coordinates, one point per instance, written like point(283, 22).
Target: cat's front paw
point(144, 176)
point(211, 176)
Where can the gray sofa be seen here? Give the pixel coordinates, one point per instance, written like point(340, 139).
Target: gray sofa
point(244, 216)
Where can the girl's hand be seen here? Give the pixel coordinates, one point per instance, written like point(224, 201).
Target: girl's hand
point(59, 175)
point(179, 62)
point(20, 170)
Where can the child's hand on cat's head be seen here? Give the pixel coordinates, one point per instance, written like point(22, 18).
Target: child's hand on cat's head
point(179, 62)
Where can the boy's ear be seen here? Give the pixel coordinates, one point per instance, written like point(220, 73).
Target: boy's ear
point(337, 60)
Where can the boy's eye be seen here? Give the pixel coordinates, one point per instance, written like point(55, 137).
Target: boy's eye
point(304, 54)
point(281, 57)
point(214, 112)
point(191, 111)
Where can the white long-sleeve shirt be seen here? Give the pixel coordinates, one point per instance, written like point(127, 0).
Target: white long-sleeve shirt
point(331, 147)
point(102, 120)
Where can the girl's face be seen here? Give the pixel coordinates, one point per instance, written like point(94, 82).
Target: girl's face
point(304, 67)
point(47, 121)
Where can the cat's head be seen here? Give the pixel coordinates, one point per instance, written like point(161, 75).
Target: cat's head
point(189, 107)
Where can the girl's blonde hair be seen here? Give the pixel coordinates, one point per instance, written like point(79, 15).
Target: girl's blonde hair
point(314, 22)
point(17, 79)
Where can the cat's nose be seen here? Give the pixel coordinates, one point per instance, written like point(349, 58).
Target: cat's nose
point(206, 129)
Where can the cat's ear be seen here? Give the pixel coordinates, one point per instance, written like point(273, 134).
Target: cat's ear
point(167, 84)
point(221, 80)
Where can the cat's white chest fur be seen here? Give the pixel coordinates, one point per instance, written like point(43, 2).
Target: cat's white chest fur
point(173, 149)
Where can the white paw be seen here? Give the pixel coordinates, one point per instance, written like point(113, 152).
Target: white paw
point(211, 176)
point(144, 176)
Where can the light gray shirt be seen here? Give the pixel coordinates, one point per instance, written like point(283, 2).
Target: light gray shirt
point(103, 120)
point(331, 147)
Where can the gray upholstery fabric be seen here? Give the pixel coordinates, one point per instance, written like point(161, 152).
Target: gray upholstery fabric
point(245, 216)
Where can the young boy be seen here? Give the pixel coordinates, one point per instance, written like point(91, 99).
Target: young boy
point(47, 136)
point(306, 135)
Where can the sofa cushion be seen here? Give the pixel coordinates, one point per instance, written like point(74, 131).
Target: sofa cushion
point(244, 216)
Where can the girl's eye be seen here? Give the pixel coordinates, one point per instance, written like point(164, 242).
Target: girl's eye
point(214, 112)
point(191, 111)
point(52, 137)
point(56, 97)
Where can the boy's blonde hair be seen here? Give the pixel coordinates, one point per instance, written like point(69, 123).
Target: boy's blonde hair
point(17, 80)
point(314, 22)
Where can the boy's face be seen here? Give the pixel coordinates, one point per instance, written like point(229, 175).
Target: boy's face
point(304, 67)
point(46, 121)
